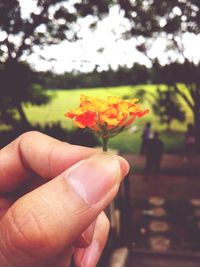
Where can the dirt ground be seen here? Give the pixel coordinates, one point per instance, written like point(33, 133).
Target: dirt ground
point(178, 178)
point(160, 261)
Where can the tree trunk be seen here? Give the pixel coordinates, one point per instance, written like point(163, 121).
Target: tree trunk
point(7, 118)
point(197, 128)
point(23, 118)
point(168, 125)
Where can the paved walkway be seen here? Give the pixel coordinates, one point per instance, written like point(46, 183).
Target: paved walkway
point(135, 260)
point(175, 162)
point(179, 179)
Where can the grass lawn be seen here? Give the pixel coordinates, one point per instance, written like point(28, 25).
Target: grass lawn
point(64, 100)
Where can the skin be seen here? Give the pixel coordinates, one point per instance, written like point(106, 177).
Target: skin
point(43, 220)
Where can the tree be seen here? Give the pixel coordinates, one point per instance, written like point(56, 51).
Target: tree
point(184, 81)
point(19, 79)
point(50, 22)
point(170, 20)
point(167, 107)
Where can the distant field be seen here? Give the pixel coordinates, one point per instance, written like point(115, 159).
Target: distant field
point(64, 100)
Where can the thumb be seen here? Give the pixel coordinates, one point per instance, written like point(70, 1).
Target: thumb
point(47, 220)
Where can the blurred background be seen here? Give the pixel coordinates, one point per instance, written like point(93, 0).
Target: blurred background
point(52, 51)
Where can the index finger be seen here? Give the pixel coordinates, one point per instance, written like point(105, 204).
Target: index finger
point(36, 153)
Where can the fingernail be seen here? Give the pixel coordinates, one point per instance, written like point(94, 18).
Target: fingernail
point(91, 255)
point(87, 235)
point(95, 177)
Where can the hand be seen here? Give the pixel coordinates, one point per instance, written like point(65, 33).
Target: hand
point(52, 195)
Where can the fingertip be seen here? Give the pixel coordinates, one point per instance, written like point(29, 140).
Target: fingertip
point(86, 237)
point(78, 255)
point(90, 256)
point(124, 166)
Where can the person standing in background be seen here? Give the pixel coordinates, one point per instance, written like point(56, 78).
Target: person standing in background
point(154, 152)
point(190, 142)
point(146, 135)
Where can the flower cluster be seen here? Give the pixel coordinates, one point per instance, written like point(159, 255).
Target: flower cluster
point(106, 117)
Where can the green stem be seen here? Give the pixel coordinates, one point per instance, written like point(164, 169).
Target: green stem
point(105, 144)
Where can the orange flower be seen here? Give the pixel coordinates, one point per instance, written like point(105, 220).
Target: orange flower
point(106, 117)
point(87, 119)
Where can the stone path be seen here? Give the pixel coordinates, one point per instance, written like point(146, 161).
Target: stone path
point(135, 260)
point(179, 179)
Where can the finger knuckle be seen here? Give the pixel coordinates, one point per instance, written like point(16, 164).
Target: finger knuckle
point(29, 134)
point(107, 222)
point(28, 232)
point(104, 220)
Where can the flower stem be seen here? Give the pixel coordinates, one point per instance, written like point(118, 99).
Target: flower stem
point(105, 144)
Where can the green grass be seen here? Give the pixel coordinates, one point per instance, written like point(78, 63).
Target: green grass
point(64, 100)
point(127, 142)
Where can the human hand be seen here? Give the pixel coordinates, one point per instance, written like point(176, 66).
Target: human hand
point(51, 193)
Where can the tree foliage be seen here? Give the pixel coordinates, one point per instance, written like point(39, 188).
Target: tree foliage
point(138, 74)
point(169, 19)
point(19, 85)
point(168, 107)
point(149, 18)
point(175, 75)
point(50, 22)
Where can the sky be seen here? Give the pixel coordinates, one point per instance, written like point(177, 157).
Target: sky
point(83, 55)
